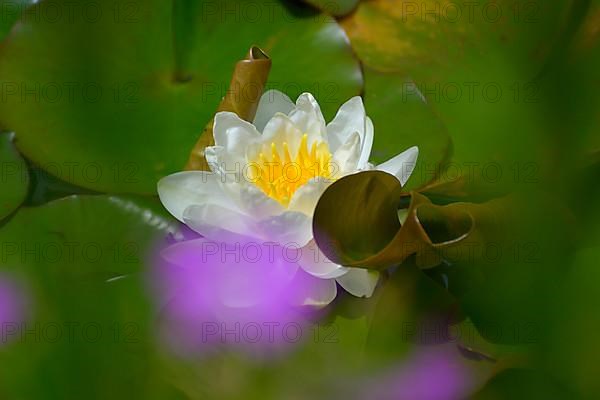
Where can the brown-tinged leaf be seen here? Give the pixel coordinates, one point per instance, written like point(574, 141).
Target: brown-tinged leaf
point(247, 85)
point(357, 216)
point(357, 223)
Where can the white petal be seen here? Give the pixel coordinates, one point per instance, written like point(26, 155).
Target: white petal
point(345, 159)
point(306, 196)
point(367, 145)
point(271, 102)
point(359, 282)
point(233, 133)
point(228, 167)
point(183, 189)
point(289, 228)
point(232, 137)
point(256, 203)
point(307, 290)
point(278, 130)
point(213, 155)
point(402, 165)
point(349, 119)
point(308, 118)
point(219, 223)
point(313, 261)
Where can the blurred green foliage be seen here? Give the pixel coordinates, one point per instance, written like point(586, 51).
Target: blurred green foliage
point(508, 101)
point(15, 177)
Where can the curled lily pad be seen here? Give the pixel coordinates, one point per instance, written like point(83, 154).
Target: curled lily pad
point(502, 245)
point(126, 93)
point(356, 207)
point(357, 223)
point(14, 176)
point(253, 72)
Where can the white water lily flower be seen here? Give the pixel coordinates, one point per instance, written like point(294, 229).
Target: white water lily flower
point(266, 185)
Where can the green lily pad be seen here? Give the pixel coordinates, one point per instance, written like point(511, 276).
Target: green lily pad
point(571, 342)
point(84, 259)
point(319, 61)
point(113, 96)
point(571, 88)
point(438, 40)
point(524, 383)
point(14, 177)
point(408, 299)
point(403, 119)
point(97, 221)
point(418, 316)
point(579, 79)
point(475, 63)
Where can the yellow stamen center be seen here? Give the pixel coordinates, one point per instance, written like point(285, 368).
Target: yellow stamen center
point(279, 175)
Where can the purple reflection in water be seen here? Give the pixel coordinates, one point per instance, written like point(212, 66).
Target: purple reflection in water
point(435, 373)
point(13, 308)
point(242, 294)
